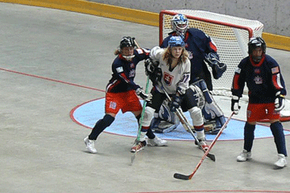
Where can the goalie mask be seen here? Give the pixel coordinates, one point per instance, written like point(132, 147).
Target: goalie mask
point(179, 24)
point(127, 41)
point(256, 43)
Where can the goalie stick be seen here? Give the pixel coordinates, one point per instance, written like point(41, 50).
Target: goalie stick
point(188, 177)
point(187, 125)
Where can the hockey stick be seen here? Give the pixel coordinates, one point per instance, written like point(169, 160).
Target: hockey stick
point(188, 177)
point(141, 119)
point(187, 125)
point(142, 113)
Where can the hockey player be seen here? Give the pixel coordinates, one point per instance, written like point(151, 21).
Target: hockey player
point(173, 75)
point(121, 91)
point(266, 94)
point(200, 48)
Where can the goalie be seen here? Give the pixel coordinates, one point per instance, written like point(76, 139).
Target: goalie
point(202, 51)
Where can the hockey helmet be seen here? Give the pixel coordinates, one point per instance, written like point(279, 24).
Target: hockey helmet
point(127, 41)
point(179, 24)
point(254, 43)
point(176, 41)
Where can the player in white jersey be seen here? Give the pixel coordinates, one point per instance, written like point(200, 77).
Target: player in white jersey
point(169, 69)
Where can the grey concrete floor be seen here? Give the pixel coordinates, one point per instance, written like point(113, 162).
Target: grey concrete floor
point(53, 60)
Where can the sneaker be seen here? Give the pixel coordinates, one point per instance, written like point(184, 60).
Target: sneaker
point(157, 142)
point(90, 145)
point(244, 156)
point(202, 144)
point(138, 146)
point(281, 163)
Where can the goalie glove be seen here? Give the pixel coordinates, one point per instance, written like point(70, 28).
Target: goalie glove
point(140, 92)
point(213, 61)
point(235, 107)
point(279, 101)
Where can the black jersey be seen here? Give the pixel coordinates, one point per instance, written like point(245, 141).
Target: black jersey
point(263, 80)
point(124, 72)
point(198, 44)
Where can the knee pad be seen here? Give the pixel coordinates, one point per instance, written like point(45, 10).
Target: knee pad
point(196, 116)
point(148, 115)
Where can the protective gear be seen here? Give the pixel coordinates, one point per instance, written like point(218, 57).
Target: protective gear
point(212, 59)
point(140, 92)
point(279, 101)
point(255, 43)
point(179, 24)
point(175, 103)
point(235, 107)
point(153, 71)
point(196, 116)
point(127, 41)
point(218, 68)
point(149, 66)
point(176, 41)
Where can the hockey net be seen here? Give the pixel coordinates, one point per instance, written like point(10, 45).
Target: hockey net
point(230, 34)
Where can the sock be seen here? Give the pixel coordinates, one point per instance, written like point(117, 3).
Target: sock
point(100, 126)
point(279, 137)
point(249, 136)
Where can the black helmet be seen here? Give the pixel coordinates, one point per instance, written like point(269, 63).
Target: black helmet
point(256, 42)
point(127, 41)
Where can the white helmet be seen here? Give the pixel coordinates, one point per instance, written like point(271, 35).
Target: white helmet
point(179, 24)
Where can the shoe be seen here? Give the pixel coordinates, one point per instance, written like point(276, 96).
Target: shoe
point(244, 156)
point(90, 145)
point(202, 144)
point(138, 146)
point(157, 142)
point(281, 163)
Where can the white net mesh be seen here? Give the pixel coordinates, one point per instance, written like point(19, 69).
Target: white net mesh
point(230, 34)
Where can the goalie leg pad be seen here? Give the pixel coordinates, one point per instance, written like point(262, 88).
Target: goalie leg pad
point(196, 116)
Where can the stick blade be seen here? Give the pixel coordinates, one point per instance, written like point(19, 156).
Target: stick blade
point(181, 176)
point(211, 156)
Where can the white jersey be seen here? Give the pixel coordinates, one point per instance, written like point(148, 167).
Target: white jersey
point(171, 80)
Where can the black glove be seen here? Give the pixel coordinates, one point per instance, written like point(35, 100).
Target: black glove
point(140, 92)
point(149, 67)
point(218, 70)
point(279, 101)
point(235, 107)
point(175, 103)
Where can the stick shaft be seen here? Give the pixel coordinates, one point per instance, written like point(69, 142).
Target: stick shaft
point(211, 145)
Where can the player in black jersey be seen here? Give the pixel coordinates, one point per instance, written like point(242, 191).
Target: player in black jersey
point(267, 91)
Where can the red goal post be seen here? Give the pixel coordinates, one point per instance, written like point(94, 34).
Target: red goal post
point(230, 34)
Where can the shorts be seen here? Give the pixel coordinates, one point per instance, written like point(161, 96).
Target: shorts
point(258, 112)
point(126, 101)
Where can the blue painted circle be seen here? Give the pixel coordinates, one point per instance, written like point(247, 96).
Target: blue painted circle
point(89, 113)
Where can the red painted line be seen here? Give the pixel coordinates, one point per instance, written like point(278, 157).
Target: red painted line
point(50, 79)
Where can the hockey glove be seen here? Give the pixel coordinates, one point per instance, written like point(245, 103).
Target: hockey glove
point(140, 92)
point(279, 101)
point(149, 67)
point(235, 107)
point(218, 70)
point(175, 103)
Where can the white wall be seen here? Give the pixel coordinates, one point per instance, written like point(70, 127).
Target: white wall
point(274, 14)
